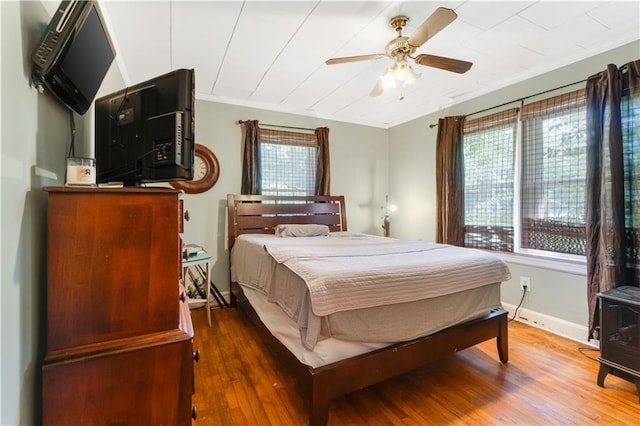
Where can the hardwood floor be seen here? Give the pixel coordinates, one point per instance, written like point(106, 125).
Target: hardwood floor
point(547, 381)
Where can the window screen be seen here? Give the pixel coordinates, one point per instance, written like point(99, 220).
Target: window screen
point(554, 152)
point(488, 145)
point(288, 161)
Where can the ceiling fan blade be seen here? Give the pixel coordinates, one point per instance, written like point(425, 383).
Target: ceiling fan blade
point(433, 24)
point(377, 89)
point(448, 64)
point(346, 59)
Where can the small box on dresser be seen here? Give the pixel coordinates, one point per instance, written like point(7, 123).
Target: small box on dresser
point(119, 333)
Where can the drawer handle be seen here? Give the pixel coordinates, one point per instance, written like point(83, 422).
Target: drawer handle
point(196, 355)
point(194, 412)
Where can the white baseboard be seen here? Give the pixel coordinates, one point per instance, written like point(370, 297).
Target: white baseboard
point(569, 330)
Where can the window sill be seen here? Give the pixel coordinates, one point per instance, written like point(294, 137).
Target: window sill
point(560, 265)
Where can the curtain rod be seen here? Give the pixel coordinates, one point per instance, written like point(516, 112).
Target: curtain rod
point(279, 126)
point(431, 126)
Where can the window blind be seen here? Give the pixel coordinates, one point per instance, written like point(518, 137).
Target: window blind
point(553, 174)
point(489, 153)
point(288, 161)
point(630, 117)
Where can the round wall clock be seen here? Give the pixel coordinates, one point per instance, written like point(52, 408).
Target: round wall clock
point(206, 171)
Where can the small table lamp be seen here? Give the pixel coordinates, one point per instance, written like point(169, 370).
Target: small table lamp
point(386, 223)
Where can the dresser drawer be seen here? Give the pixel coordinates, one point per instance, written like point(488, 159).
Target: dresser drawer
point(152, 385)
point(113, 260)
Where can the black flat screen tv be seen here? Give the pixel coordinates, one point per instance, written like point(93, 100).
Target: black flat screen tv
point(74, 54)
point(145, 133)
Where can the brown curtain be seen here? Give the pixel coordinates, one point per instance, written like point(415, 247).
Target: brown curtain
point(251, 172)
point(612, 232)
point(323, 172)
point(450, 181)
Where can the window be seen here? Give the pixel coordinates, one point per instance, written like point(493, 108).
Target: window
point(288, 162)
point(538, 202)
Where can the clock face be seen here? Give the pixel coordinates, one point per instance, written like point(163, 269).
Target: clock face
point(200, 168)
point(206, 171)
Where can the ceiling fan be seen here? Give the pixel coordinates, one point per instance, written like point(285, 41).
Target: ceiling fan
point(402, 47)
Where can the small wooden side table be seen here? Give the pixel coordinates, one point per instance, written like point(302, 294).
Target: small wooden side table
point(202, 260)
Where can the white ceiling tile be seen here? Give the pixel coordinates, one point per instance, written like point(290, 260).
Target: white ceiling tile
point(607, 40)
point(564, 39)
point(515, 59)
point(201, 33)
point(513, 31)
point(488, 14)
point(348, 92)
point(616, 14)
point(251, 56)
point(551, 14)
point(235, 91)
point(323, 83)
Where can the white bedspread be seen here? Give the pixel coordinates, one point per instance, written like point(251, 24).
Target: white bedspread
point(353, 271)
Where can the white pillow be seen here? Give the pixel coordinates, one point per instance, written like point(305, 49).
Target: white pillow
point(296, 230)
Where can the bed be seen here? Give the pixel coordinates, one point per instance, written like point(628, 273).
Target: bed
point(328, 355)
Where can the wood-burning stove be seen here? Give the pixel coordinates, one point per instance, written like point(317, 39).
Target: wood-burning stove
point(620, 334)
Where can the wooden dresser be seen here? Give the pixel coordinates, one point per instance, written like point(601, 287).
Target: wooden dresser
point(119, 335)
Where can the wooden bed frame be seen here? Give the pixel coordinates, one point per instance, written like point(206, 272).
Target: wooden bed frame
point(260, 214)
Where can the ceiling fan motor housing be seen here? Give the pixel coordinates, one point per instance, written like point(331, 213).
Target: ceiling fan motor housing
point(399, 46)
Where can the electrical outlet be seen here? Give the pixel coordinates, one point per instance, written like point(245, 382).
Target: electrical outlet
point(525, 282)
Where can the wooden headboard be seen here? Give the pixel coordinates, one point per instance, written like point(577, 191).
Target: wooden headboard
point(259, 214)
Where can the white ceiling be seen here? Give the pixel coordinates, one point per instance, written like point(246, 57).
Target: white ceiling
point(271, 55)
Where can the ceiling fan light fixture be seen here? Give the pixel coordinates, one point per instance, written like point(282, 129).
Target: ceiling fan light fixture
point(389, 77)
point(399, 73)
point(405, 74)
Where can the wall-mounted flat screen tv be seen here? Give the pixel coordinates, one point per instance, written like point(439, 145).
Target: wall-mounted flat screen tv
point(74, 54)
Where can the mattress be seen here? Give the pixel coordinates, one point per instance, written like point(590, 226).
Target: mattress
point(274, 284)
point(330, 349)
